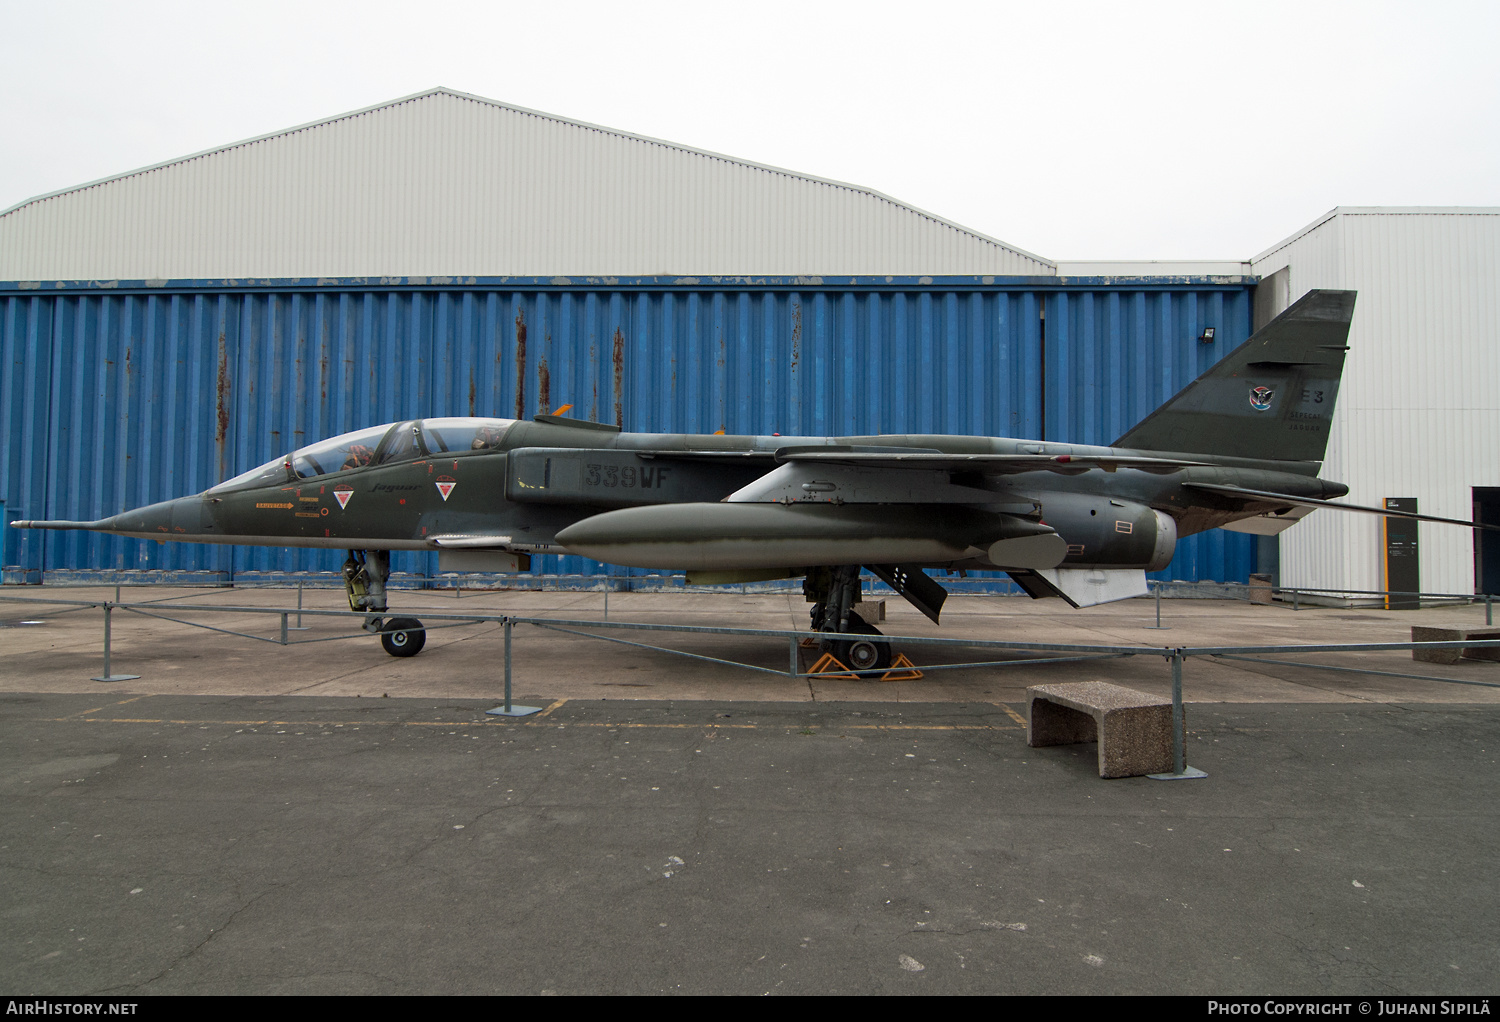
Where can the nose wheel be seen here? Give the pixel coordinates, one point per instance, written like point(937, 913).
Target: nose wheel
point(365, 575)
point(403, 636)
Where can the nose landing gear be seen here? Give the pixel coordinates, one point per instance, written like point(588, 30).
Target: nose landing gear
point(365, 576)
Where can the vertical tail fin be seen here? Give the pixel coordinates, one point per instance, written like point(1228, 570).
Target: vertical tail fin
point(1270, 398)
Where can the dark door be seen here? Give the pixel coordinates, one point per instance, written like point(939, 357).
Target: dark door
point(1487, 544)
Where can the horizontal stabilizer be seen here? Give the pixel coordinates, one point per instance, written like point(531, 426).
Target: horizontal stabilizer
point(1083, 587)
point(1267, 497)
point(1269, 523)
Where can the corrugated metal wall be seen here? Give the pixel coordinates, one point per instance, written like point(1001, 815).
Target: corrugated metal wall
point(1419, 410)
point(444, 182)
point(116, 397)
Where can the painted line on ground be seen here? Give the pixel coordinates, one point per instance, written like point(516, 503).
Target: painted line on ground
point(96, 709)
point(1012, 714)
point(556, 724)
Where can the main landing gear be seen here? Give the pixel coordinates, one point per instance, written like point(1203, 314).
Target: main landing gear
point(365, 575)
point(833, 592)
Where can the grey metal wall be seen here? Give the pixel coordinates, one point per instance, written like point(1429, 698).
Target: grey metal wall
point(113, 396)
point(444, 182)
point(1419, 410)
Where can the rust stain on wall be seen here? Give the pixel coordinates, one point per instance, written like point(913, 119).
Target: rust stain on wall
point(619, 361)
point(543, 387)
point(521, 365)
point(471, 390)
point(221, 431)
point(796, 332)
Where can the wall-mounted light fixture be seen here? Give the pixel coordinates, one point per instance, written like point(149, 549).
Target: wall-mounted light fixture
point(1207, 336)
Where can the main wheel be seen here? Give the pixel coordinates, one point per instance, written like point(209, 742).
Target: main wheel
point(403, 636)
point(864, 656)
point(861, 655)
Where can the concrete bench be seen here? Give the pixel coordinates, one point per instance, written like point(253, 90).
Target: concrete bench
point(1427, 633)
point(1133, 729)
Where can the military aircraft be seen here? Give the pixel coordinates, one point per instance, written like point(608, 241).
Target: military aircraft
point(1239, 448)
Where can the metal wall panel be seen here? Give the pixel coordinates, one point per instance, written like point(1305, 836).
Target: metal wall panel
point(1419, 409)
point(443, 183)
point(115, 397)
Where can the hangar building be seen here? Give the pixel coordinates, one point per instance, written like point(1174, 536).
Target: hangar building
point(445, 254)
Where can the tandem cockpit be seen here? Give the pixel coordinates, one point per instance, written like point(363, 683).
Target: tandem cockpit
point(376, 445)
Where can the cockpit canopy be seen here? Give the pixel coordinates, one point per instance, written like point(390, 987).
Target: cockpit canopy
point(377, 445)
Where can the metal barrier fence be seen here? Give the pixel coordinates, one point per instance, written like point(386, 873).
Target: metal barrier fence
point(1250, 592)
point(975, 585)
point(1175, 656)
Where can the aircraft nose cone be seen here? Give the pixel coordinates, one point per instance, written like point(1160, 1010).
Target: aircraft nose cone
point(185, 516)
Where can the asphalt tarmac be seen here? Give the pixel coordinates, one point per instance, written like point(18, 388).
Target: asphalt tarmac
point(248, 818)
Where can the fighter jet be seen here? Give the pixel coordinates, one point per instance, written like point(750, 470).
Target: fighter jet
point(1239, 448)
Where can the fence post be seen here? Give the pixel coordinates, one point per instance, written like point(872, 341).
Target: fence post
point(107, 676)
point(792, 646)
point(1179, 754)
point(509, 709)
point(1158, 626)
point(1180, 770)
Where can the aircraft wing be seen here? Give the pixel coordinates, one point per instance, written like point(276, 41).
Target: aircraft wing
point(933, 460)
point(898, 458)
point(1267, 497)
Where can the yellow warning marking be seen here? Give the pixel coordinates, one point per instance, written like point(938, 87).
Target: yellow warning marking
point(96, 709)
point(551, 708)
point(1012, 714)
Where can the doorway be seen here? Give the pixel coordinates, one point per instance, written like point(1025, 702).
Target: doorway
point(1487, 544)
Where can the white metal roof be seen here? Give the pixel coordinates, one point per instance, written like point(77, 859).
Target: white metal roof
point(443, 182)
point(1153, 268)
point(1375, 211)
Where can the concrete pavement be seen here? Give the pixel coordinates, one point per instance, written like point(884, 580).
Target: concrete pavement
point(248, 818)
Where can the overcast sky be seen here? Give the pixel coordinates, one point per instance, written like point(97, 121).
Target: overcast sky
point(1074, 130)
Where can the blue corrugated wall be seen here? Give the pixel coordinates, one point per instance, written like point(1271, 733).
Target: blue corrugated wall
point(118, 394)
